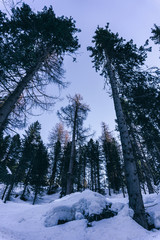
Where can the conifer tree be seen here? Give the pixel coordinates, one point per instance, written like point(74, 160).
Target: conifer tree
point(82, 168)
point(31, 54)
point(56, 158)
point(73, 115)
point(93, 160)
point(64, 166)
point(58, 139)
point(32, 140)
point(39, 170)
point(117, 60)
point(11, 160)
point(23, 170)
point(4, 148)
point(113, 160)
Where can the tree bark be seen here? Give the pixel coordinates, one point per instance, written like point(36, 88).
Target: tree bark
point(71, 162)
point(133, 185)
point(52, 178)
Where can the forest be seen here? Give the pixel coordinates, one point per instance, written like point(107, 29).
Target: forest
point(32, 50)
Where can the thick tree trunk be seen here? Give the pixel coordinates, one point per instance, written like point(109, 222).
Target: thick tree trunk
point(71, 162)
point(133, 185)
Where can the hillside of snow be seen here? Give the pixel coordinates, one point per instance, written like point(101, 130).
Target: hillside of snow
point(22, 221)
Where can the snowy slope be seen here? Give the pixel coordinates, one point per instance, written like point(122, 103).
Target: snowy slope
point(23, 221)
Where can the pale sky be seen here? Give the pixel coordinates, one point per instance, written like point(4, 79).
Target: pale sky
point(132, 19)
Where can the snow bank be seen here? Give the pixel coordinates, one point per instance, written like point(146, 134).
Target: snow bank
point(24, 221)
point(74, 207)
point(152, 206)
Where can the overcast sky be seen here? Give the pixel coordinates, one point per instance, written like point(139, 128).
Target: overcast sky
point(132, 19)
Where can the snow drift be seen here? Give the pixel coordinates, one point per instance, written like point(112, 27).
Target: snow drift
point(76, 206)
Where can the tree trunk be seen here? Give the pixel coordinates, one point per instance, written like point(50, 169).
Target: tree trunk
point(26, 183)
point(12, 184)
point(5, 191)
point(98, 177)
point(84, 174)
point(52, 178)
point(123, 191)
point(133, 185)
point(92, 178)
point(35, 195)
point(9, 104)
point(9, 192)
point(79, 184)
point(71, 162)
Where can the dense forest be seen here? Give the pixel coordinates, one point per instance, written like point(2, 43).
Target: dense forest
point(32, 50)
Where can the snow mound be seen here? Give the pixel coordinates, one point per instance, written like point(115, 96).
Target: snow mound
point(75, 206)
point(154, 216)
point(152, 206)
point(117, 206)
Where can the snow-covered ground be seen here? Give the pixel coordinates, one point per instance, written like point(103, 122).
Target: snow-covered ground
point(22, 221)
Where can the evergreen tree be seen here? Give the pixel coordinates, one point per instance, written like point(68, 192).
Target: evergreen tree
point(58, 139)
point(23, 169)
point(14, 153)
point(4, 148)
point(113, 161)
point(64, 166)
point(31, 54)
point(56, 158)
point(11, 160)
point(93, 160)
point(118, 60)
point(39, 170)
point(32, 140)
point(82, 168)
point(73, 115)
point(143, 129)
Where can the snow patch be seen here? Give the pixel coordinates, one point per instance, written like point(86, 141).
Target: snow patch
point(75, 206)
point(8, 171)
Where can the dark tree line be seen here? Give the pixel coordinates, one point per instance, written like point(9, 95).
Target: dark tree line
point(26, 163)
